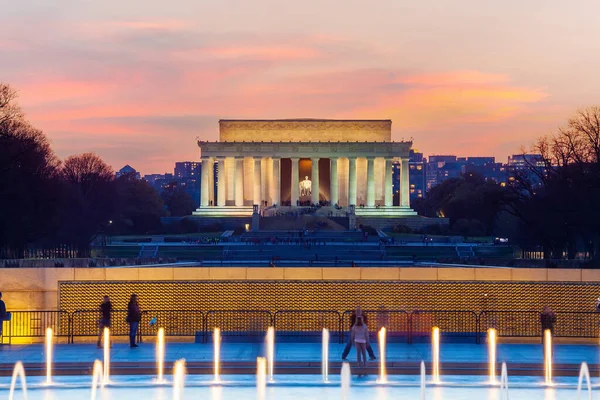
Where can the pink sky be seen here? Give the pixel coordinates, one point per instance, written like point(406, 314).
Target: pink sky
point(137, 81)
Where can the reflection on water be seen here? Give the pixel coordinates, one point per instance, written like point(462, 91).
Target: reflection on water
point(307, 393)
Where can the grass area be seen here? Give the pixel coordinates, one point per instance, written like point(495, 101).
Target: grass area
point(148, 238)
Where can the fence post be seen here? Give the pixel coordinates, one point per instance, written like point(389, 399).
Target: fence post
point(205, 327)
point(477, 328)
point(410, 323)
point(341, 328)
point(70, 329)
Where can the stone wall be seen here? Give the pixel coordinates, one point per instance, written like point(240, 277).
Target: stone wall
point(37, 288)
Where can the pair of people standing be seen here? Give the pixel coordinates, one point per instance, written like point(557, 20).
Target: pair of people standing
point(134, 316)
point(359, 336)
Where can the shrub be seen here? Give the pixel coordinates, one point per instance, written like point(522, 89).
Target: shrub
point(369, 230)
point(402, 229)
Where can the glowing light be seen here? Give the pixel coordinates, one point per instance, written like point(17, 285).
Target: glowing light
point(49, 348)
point(436, 354)
point(261, 377)
point(492, 354)
point(106, 377)
point(160, 355)
point(325, 356)
point(217, 354)
point(382, 370)
point(548, 356)
point(270, 352)
point(97, 379)
point(178, 379)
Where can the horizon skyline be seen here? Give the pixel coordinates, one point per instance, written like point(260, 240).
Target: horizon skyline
point(137, 82)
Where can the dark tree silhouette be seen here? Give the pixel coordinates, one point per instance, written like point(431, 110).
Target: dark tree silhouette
point(557, 202)
point(28, 179)
point(88, 199)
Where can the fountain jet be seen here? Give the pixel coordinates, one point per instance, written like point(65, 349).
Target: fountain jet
point(492, 339)
point(160, 355)
point(217, 354)
point(345, 376)
point(325, 356)
point(178, 379)
point(436, 354)
point(423, 380)
point(382, 370)
point(19, 372)
point(584, 372)
point(261, 378)
point(97, 379)
point(270, 352)
point(106, 375)
point(504, 382)
point(49, 348)
point(548, 356)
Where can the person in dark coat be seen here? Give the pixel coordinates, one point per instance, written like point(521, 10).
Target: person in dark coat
point(134, 316)
point(355, 313)
point(3, 313)
point(105, 316)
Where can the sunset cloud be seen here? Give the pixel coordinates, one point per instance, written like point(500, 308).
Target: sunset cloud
point(140, 88)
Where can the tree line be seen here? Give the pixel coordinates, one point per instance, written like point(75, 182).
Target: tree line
point(551, 204)
point(46, 201)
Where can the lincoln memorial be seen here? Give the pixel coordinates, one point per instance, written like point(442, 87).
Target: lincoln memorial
point(284, 164)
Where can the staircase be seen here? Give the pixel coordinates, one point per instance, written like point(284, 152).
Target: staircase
point(148, 251)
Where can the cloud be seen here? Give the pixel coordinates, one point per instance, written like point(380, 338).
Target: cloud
point(140, 91)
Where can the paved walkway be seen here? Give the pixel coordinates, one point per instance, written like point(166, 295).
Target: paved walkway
point(299, 352)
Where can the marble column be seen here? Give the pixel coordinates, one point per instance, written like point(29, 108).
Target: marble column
point(333, 179)
point(221, 184)
point(295, 189)
point(204, 182)
point(370, 182)
point(314, 199)
point(388, 194)
point(276, 181)
point(257, 181)
point(404, 185)
point(352, 181)
point(239, 181)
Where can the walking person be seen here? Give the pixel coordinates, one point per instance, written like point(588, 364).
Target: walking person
point(3, 315)
point(360, 338)
point(105, 315)
point(349, 343)
point(134, 316)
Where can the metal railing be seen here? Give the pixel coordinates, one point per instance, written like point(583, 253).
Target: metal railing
point(302, 325)
point(396, 322)
point(463, 324)
point(511, 323)
point(577, 324)
point(25, 324)
point(307, 323)
point(248, 323)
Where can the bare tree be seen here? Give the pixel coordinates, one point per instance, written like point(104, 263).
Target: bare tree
point(86, 170)
point(9, 110)
point(557, 201)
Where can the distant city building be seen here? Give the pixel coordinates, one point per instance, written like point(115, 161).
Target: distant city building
point(416, 177)
point(441, 168)
point(187, 169)
point(128, 170)
point(487, 168)
point(525, 164)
